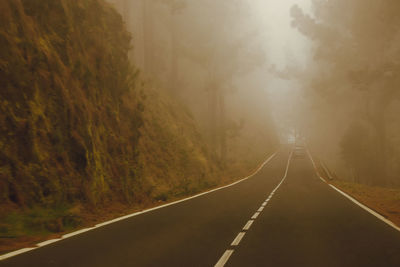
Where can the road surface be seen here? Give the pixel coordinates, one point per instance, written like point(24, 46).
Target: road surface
point(303, 222)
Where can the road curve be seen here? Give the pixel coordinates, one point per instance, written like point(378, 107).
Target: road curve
point(263, 221)
point(308, 223)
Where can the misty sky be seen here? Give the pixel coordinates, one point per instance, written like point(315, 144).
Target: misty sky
point(284, 45)
point(283, 41)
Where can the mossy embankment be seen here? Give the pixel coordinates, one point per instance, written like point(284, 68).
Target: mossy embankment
point(81, 138)
point(66, 135)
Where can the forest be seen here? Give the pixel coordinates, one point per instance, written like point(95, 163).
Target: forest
point(350, 85)
point(109, 107)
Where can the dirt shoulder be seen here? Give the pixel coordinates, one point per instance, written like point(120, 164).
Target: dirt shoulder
point(24, 236)
point(385, 201)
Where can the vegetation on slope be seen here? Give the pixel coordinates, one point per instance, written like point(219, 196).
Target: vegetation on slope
point(383, 200)
point(81, 139)
point(352, 87)
point(66, 136)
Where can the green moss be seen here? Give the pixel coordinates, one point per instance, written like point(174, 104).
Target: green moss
point(62, 88)
point(78, 127)
point(38, 221)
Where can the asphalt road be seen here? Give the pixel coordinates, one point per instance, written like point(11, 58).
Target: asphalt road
point(303, 223)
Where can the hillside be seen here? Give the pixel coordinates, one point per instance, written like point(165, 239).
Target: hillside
point(81, 137)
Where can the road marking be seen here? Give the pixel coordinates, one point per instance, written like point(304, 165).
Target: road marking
point(48, 242)
point(377, 215)
point(248, 225)
point(75, 233)
point(15, 253)
point(372, 212)
point(224, 259)
point(238, 238)
point(315, 166)
point(255, 215)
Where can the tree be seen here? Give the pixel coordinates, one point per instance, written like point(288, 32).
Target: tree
point(223, 56)
point(175, 7)
point(354, 44)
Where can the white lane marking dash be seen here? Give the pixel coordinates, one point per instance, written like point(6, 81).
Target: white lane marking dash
point(224, 259)
point(264, 204)
point(255, 215)
point(248, 225)
point(260, 209)
point(238, 238)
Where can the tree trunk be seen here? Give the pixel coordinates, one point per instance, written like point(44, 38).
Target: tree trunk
point(213, 115)
point(174, 56)
point(222, 127)
point(380, 128)
point(148, 38)
point(126, 13)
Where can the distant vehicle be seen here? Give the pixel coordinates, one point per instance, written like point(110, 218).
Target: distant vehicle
point(299, 152)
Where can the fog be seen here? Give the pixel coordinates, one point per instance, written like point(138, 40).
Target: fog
point(286, 48)
point(128, 107)
point(254, 72)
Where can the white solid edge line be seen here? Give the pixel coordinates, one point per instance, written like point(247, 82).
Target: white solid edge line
point(315, 166)
point(47, 242)
point(238, 238)
point(15, 253)
point(372, 212)
point(377, 215)
point(77, 232)
point(224, 259)
point(248, 225)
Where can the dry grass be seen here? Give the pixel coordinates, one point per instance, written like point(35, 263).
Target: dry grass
point(385, 201)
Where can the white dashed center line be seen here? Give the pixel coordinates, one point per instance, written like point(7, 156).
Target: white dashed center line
point(248, 225)
point(224, 259)
point(228, 253)
point(238, 238)
point(255, 215)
